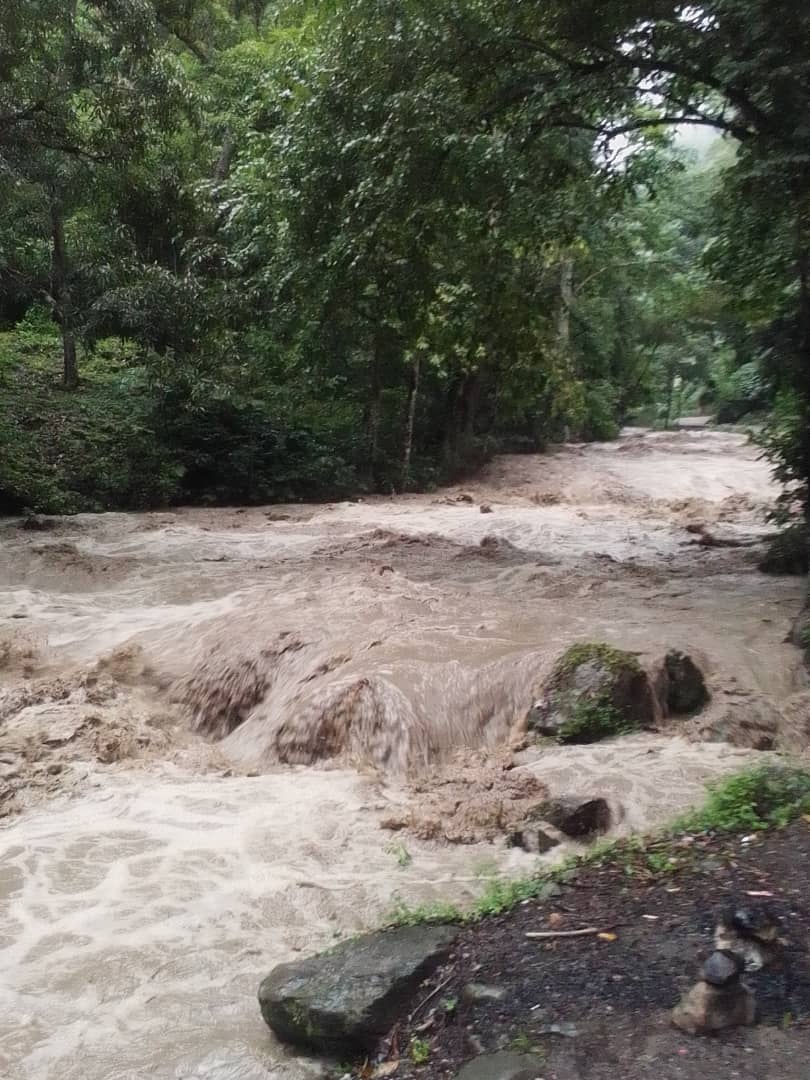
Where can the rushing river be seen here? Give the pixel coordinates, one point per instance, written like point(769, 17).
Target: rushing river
point(206, 715)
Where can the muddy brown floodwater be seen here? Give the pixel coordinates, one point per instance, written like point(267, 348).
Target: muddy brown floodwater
point(207, 714)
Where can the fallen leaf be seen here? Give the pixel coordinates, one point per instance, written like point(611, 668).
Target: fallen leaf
point(607, 936)
point(388, 1068)
point(555, 919)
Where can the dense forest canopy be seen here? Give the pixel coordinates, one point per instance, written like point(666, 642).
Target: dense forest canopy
point(252, 251)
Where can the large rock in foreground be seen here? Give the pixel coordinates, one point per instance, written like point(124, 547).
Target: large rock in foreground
point(594, 692)
point(502, 1066)
point(345, 1000)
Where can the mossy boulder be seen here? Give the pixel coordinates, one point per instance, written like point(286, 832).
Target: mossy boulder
point(343, 1001)
point(593, 693)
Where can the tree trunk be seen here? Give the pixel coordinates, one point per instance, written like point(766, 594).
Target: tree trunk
point(471, 395)
point(375, 406)
point(412, 398)
point(565, 305)
point(670, 391)
point(60, 290)
point(803, 268)
point(451, 419)
point(564, 321)
point(222, 169)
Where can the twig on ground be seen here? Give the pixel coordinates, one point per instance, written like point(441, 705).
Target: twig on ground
point(588, 931)
point(430, 997)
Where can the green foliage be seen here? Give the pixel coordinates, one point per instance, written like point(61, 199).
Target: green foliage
point(593, 718)
point(419, 1051)
point(615, 660)
point(765, 796)
point(94, 449)
point(365, 243)
point(788, 552)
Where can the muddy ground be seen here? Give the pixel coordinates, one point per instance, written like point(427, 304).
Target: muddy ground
point(596, 1008)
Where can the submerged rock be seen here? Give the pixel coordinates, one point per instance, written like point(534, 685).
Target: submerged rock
point(594, 692)
point(577, 818)
point(502, 1066)
point(38, 523)
point(533, 838)
point(680, 685)
point(345, 1000)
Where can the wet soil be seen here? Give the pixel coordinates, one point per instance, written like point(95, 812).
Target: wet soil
point(593, 1008)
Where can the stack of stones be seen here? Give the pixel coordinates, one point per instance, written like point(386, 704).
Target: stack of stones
point(745, 939)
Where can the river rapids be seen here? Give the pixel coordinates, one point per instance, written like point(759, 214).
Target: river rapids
point(206, 716)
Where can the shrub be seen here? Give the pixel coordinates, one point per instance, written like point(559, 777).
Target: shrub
point(759, 798)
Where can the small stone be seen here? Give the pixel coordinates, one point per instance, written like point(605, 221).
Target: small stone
point(722, 968)
point(757, 921)
point(562, 1027)
point(478, 993)
point(55, 768)
point(486, 508)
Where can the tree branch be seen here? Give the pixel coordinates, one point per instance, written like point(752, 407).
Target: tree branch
point(186, 39)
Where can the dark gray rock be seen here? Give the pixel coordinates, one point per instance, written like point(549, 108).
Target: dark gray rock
point(722, 968)
point(502, 1066)
point(594, 692)
point(577, 817)
point(37, 523)
point(345, 1000)
point(533, 838)
point(681, 685)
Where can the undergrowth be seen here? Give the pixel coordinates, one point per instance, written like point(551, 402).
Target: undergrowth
point(763, 797)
